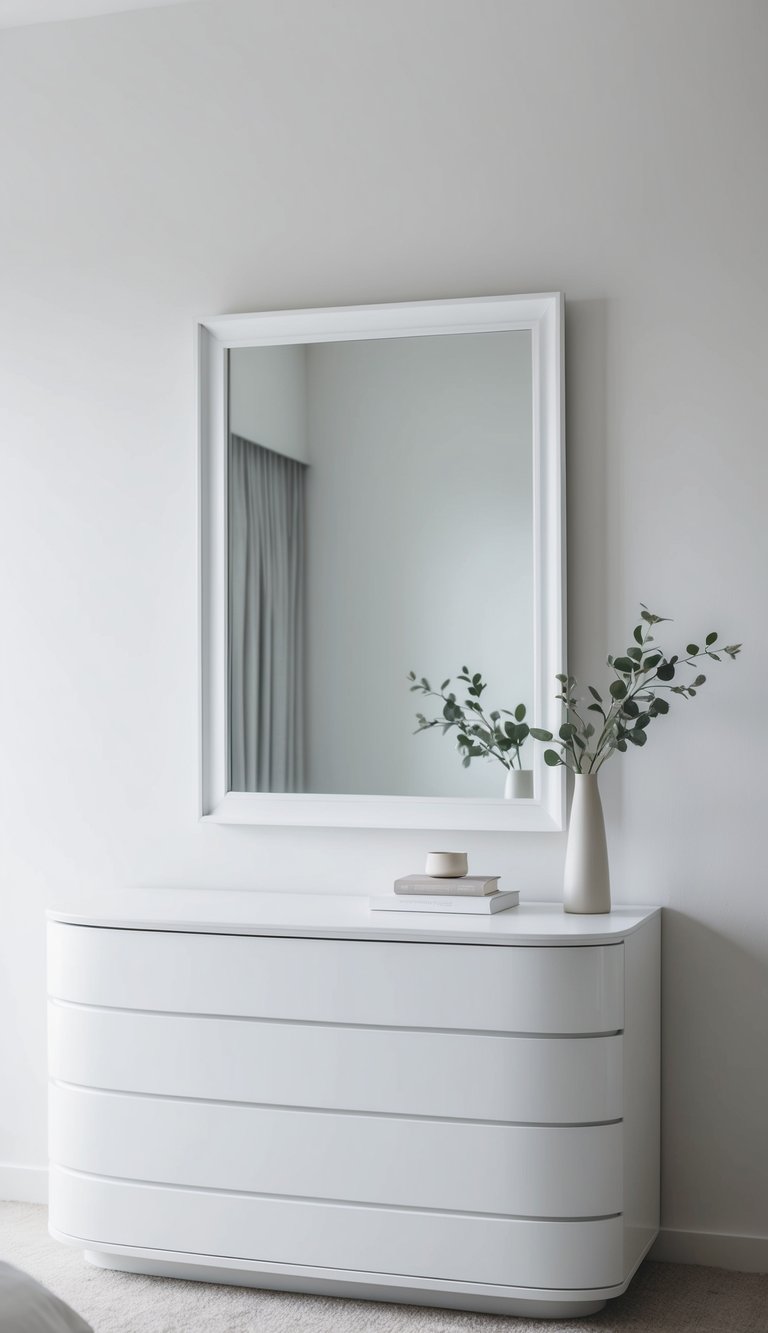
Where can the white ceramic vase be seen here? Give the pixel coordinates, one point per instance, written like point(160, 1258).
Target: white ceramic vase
point(586, 883)
point(519, 784)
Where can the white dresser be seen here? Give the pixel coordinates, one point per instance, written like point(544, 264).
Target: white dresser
point(292, 1091)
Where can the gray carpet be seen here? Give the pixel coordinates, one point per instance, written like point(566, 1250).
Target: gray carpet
point(664, 1298)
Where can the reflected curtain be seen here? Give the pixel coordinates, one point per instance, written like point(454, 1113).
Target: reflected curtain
point(266, 619)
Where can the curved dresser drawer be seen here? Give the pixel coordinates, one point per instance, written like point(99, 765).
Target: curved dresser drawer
point(368, 982)
point(445, 1246)
point(514, 1170)
point(400, 1071)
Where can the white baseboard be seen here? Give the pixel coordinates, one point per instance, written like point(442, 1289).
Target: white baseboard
point(23, 1184)
point(745, 1254)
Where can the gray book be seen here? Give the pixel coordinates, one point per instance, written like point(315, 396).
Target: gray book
point(448, 904)
point(464, 886)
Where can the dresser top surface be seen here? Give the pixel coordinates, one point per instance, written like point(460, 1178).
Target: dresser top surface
point(326, 916)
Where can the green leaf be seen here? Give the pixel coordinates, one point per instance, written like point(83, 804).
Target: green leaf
point(651, 662)
point(692, 649)
point(411, 675)
point(618, 689)
point(666, 671)
point(630, 708)
point(563, 679)
point(520, 712)
point(658, 708)
point(595, 694)
point(647, 615)
point(567, 731)
point(595, 708)
point(445, 684)
point(638, 634)
point(642, 721)
point(625, 665)
point(637, 737)
point(539, 734)
point(700, 680)
point(710, 639)
point(495, 717)
point(552, 758)
point(635, 653)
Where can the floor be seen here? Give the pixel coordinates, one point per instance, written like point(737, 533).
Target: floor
point(664, 1298)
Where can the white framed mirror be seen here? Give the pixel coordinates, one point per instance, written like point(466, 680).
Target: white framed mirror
point(381, 491)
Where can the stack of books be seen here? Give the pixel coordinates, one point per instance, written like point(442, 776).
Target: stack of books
point(477, 895)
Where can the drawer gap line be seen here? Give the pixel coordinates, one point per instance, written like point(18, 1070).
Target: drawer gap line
point(352, 936)
point(331, 1023)
point(192, 1256)
point(333, 1110)
point(326, 1203)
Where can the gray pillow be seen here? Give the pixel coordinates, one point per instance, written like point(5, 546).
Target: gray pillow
point(27, 1307)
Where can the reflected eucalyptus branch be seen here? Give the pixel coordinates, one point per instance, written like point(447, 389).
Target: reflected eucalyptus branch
point(478, 736)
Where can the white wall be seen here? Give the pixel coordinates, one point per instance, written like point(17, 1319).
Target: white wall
point(268, 398)
point(419, 552)
point(166, 164)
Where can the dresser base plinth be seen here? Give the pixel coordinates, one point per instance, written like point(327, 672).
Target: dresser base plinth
point(523, 1303)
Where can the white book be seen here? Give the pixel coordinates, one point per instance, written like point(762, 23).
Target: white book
point(485, 906)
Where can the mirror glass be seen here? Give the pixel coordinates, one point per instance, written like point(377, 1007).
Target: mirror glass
point(380, 521)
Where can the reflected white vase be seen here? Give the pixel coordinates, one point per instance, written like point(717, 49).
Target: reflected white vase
point(586, 882)
point(519, 784)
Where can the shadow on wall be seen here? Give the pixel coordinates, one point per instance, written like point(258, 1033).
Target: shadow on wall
point(591, 576)
point(714, 1040)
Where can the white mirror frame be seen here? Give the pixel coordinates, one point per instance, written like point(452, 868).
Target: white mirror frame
point(542, 315)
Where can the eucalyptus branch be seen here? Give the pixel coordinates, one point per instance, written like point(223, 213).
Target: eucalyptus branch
point(640, 677)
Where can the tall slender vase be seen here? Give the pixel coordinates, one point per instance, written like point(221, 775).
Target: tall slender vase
point(586, 883)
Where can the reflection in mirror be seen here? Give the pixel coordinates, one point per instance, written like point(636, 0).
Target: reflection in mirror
point(380, 518)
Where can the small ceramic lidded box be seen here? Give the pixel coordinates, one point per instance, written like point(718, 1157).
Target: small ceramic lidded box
point(446, 865)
